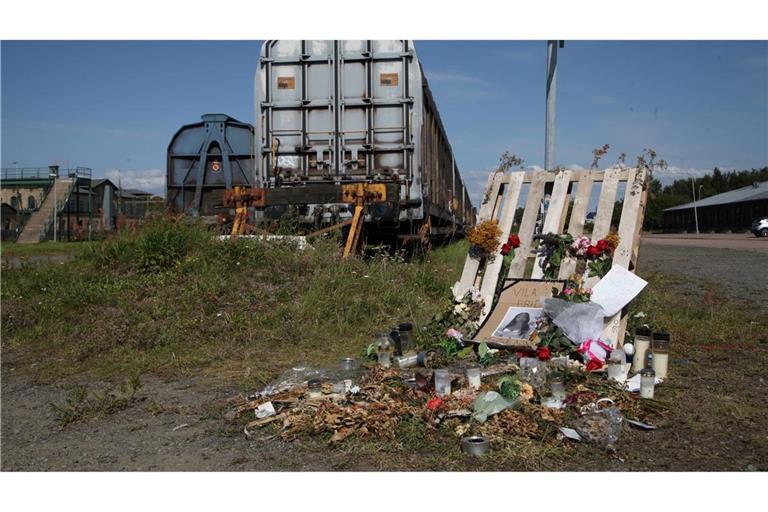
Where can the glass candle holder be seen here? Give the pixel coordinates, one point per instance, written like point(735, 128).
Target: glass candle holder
point(383, 349)
point(647, 382)
point(315, 388)
point(408, 361)
point(660, 348)
point(474, 378)
point(557, 386)
point(442, 382)
point(616, 362)
point(348, 364)
point(406, 336)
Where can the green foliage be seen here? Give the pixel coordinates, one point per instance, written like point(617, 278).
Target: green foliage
point(244, 308)
point(159, 245)
point(485, 354)
point(599, 267)
point(557, 342)
point(509, 387)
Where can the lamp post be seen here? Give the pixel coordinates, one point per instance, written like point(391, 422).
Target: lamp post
point(52, 175)
point(695, 212)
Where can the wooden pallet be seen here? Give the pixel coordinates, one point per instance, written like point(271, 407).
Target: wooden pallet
point(500, 202)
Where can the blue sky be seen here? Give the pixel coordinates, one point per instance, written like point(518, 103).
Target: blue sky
point(115, 105)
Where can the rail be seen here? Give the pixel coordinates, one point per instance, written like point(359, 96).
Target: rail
point(43, 173)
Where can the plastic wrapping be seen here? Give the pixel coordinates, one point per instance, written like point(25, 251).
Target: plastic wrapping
point(601, 427)
point(579, 320)
point(534, 372)
point(491, 403)
point(293, 377)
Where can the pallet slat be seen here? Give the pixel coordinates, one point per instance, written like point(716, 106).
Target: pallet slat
point(527, 225)
point(554, 213)
point(578, 217)
point(629, 237)
point(507, 216)
point(487, 210)
point(605, 204)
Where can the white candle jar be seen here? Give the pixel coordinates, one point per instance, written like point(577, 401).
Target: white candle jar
point(642, 345)
point(473, 378)
point(442, 382)
point(660, 347)
point(647, 382)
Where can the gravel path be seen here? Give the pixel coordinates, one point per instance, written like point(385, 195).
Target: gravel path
point(742, 274)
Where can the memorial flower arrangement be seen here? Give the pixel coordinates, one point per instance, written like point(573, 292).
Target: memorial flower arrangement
point(484, 238)
point(553, 249)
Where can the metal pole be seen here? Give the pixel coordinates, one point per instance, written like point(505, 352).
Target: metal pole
point(695, 212)
point(549, 127)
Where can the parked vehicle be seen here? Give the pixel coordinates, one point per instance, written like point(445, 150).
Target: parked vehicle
point(760, 227)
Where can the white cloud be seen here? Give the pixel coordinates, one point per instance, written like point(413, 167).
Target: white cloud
point(149, 180)
point(453, 77)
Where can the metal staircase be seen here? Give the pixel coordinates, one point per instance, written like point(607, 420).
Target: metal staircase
point(42, 219)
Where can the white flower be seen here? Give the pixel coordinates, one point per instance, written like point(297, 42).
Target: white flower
point(639, 314)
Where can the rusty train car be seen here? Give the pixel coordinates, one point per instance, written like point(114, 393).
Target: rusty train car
point(331, 114)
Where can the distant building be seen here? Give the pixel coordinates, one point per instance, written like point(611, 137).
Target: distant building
point(10, 222)
point(83, 205)
point(730, 211)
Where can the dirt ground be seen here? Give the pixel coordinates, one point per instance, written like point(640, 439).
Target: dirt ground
point(717, 419)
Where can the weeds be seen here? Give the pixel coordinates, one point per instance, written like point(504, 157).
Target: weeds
point(81, 405)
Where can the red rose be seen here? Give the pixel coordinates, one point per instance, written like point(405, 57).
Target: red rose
point(592, 250)
point(543, 353)
point(514, 241)
point(602, 245)
point(594, 364)
point(434, 403)
point(505, 249)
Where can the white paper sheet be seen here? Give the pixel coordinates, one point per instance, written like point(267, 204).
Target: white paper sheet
point(617, 289)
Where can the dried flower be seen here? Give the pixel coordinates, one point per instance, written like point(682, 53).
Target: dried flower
point(485, 236)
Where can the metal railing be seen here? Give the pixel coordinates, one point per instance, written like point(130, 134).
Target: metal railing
point(42, 173)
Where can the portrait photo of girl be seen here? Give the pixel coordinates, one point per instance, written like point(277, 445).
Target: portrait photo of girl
point(518, 323)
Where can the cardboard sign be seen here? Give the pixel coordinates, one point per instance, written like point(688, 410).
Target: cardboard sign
point(512, 322)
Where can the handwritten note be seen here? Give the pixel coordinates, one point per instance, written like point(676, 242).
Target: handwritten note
point(617, 289)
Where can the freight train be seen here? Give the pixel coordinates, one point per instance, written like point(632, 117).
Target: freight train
point(331, 115)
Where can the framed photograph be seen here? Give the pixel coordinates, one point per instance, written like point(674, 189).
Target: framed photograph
point(512, 322)
point(518, 323)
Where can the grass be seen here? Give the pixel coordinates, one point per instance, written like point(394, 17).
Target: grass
point(12, 249)
point(177, 304)
point(171, 301)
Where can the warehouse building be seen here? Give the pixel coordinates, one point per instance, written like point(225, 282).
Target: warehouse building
point(730, 211)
